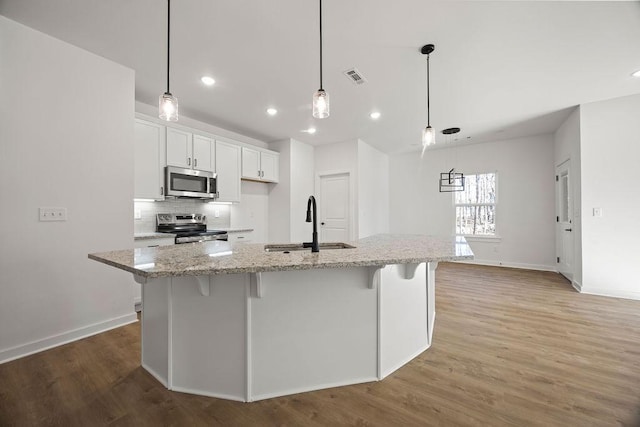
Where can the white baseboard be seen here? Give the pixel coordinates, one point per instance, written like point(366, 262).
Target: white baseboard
point(399, 365)
point(523, 266)
point(615, 293)
point(155, 375)
point(9, 354)
point(208, 393)
point(577, 286)
point(312, 388)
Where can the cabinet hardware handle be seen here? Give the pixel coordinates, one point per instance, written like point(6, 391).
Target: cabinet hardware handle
point(162, 191)
point(322, 223)
point(195, 162)
point(188, 161)
point(567, 229)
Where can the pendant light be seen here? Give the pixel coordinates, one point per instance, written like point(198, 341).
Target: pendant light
point(168, 104)
point(320, 97)
point(428, 134)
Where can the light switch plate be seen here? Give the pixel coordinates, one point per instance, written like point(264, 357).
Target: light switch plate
point(597, 212)
point(53, 214)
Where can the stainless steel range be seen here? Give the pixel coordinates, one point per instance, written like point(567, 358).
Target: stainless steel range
point(188, 228)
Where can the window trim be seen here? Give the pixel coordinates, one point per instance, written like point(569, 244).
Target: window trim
point(478, 237)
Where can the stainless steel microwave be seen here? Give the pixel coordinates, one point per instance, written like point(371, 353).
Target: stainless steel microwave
point(191, 183)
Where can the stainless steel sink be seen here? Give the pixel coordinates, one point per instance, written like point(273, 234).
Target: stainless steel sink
point(287, 247)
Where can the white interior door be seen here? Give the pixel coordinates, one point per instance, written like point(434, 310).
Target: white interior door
point(564, 223)
point(335, 212)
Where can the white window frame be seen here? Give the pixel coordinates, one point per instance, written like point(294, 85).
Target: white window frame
point(478, 237)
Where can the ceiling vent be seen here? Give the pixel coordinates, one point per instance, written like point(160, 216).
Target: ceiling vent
point(355, 76)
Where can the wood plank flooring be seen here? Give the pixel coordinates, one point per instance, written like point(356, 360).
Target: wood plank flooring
point(511, 348)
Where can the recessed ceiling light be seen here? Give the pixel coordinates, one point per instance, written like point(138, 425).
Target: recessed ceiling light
point(207, 80)
point(375, 115)
point(636, 74)
point(311, 130)
point(272, 111)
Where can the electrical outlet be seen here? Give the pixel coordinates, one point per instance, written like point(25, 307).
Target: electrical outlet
point(216, 213)
point(53, 214)
point(137, 214)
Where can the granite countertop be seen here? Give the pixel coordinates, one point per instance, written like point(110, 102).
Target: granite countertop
point(154, 235)
point(234, 229)
point(220, 257)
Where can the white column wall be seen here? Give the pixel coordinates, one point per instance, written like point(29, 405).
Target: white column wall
point(609, 161)
point(302, 186)
point(66, 140)
point(373, 190)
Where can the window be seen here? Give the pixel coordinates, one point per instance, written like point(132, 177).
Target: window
point(476, 206)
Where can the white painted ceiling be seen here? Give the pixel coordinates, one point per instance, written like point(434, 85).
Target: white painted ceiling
point(500, 69)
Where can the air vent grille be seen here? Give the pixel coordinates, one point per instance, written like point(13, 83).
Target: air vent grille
point(355, 76)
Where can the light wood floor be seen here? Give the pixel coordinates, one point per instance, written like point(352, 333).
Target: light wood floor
point(511, 347)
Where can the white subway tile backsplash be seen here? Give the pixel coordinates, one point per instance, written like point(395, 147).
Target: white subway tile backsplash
point(149, 210)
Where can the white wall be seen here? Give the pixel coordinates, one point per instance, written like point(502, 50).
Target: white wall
point(288, 199)
point(610, 155)
point(567, 147)
point(373, 191)
point(280, 196)
point(337, 158)
point(302, 186)
point(66, 140)
point(525, 210)
point(252, 211)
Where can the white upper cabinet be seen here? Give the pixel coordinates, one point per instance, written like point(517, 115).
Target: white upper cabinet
point(260, 165)
point(149, 160)
point(227, 157)
point(204, 153)
point(250, 163)
point(270, 166)
point(190, 151)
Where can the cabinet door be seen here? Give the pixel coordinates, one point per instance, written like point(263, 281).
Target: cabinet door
point(228, 170)
point(250, 163)
point(148, 160)
point(204, 153)
point(270, 165)
point(178, 148)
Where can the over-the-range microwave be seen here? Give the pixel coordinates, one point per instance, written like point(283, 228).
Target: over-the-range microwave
point(190, 183)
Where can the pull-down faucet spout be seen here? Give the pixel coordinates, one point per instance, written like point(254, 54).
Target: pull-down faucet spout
point(311, 205)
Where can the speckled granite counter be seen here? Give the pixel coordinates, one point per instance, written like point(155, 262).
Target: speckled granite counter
point(218, 257)
point(151, 236)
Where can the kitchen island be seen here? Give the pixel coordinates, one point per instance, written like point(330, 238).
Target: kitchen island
point(237, 322)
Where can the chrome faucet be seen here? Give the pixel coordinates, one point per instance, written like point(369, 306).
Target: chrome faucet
point(315, 247)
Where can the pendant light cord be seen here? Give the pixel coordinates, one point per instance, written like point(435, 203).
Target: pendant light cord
point(168, 40)
point(321, 45)
point(428, 109)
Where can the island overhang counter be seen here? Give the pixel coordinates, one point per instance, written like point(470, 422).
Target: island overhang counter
point(236, 322)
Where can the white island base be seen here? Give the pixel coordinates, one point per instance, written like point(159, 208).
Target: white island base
point(253, 336)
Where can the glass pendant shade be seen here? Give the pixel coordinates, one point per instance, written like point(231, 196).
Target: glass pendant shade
point(320, 104)
point(428, 136)
point(168, 107)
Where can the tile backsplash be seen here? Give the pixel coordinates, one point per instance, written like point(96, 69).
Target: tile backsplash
point(148, 210)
